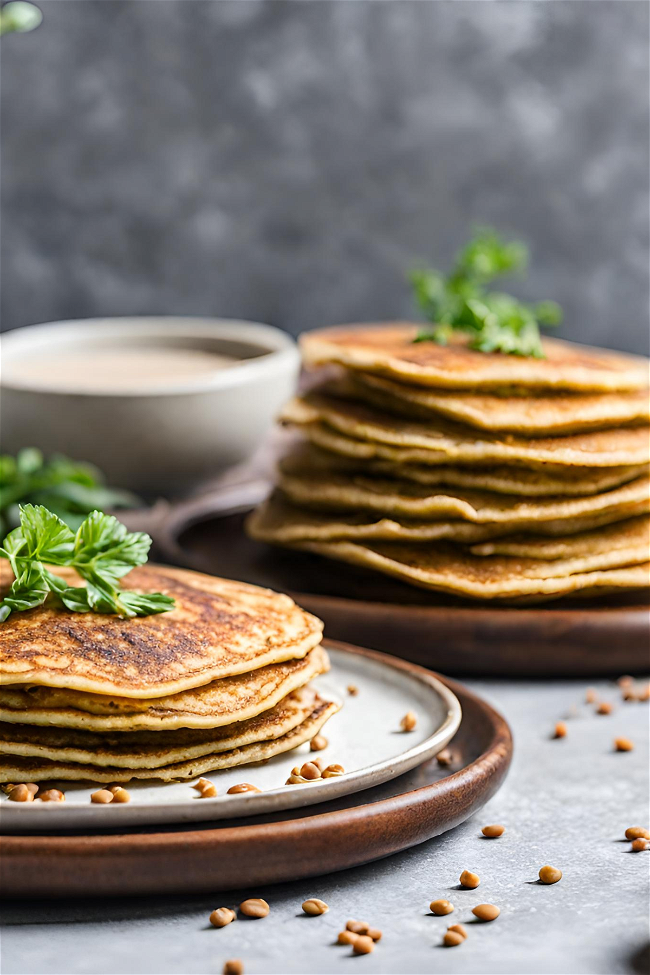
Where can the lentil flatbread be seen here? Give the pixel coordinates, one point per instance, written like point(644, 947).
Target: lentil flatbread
point(615, 541)
point(372, 433)
point(214, 705)
point(20, 769)
point(531, 415)
point(537, 482)
point(407, 499)
point(442, 567)
point(218, 628)
point(388, 349)
point(153, 749)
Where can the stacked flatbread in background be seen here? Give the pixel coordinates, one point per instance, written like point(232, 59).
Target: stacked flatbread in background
point(483, 475)
point(221, 680)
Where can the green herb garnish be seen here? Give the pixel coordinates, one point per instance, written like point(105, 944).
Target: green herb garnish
point(68, 488)
point(101, 551)
point(461, 302)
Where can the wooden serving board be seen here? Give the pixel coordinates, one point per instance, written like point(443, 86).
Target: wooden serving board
point(608, 636)
point(286, 846)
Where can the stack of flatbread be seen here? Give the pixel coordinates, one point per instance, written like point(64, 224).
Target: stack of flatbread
point(482, 475)
point(221, 680)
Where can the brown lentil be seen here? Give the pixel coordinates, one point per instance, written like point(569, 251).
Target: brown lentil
point(640, 844)
point(629, 694)
point(444, 757)
point(486, 912)
point(20, 793)
point(493, 831)
point(221, 917)
point(604, 708)
point(550, 875)
point(333, 770)
point(459, 929)
point(625, 681)
point(310, 771)
point(121, 795)
point(102, 796)
point(363, 945)
point(644, 695)
point(637, 832)
point(409, 721)
point(353, 690)
point(441, 907)
point(318, 743)
point(623, 745)
point(52, 795)
point(295, 779)
point(375, 934)
point(313, 906)
point(357, 927)
point(242, 787)
point(206, 789)
point(33, 788)
point(591, 697)
point(469, 879)
point(254, 907)
point(233, 967)
point(347, 937)
point(452, 938)
point(318, 762)
point(560, 730)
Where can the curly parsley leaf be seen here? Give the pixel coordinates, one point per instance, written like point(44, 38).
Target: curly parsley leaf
point(101, 551)
point(461, 302)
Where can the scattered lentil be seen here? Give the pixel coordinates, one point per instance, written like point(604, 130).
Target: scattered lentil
point(242, 787)
point(441, 907)
point(357, 927)
point(623, 745)
point(644, 695)
point(121, 795)
point(254, 907)
point(347, 937)
point(33, 788)
point(550, 875)
point(409, 721)
point(333, 770)
point(637, 832)
point(318, 743)
point(469, 879)
point(310, 771)
point(233, 967)
point(221, 917)
point(560, 730)
point(493, 831)
point(295, 779)
point(459, 929)
point(205, 788)
point(52, 795)
point(640, 844)
point(604, 708)
point(363, 945)
point(625, 681)
point(353, 690)
point(20, 793)
point(375, 934)
point(486, 912)
point(452, 938)
point(314, 906)
point(591, 697)
point(102, 796)
point(444, 757)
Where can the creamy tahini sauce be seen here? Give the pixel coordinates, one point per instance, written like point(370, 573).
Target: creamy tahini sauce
point(114, 369)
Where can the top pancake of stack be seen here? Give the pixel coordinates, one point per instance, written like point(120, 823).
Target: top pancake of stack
point(405, 430)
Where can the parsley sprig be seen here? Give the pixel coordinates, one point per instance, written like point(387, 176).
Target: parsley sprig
point(461, 301)
point(101, 551)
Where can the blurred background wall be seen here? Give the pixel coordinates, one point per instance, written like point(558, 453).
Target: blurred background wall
point(289, 161)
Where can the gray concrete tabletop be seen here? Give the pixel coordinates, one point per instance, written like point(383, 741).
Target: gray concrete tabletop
point(566, 802)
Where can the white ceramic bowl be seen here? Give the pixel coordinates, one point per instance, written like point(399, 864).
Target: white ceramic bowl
point(162, 438)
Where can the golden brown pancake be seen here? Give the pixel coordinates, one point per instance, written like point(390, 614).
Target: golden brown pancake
point(14, 768)
point(537, 482)
point(388, 349)
point(338, 492)
point(218, 628)
point(216, 704)
point(532, 415)
point(153, 749)
point(363, 431)
point(442, 567)
point(612, 542)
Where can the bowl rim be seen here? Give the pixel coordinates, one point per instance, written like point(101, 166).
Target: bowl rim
point(281, 351)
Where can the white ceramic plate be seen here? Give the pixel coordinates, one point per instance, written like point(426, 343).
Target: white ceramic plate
point(364, 737)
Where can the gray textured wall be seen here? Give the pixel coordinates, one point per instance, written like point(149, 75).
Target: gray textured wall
point(288, 161)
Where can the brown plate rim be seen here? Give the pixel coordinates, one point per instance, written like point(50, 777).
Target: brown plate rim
point(115, 864)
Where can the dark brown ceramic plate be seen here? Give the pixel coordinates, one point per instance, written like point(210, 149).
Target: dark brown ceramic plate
point(328, 837)
point(569, 638)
